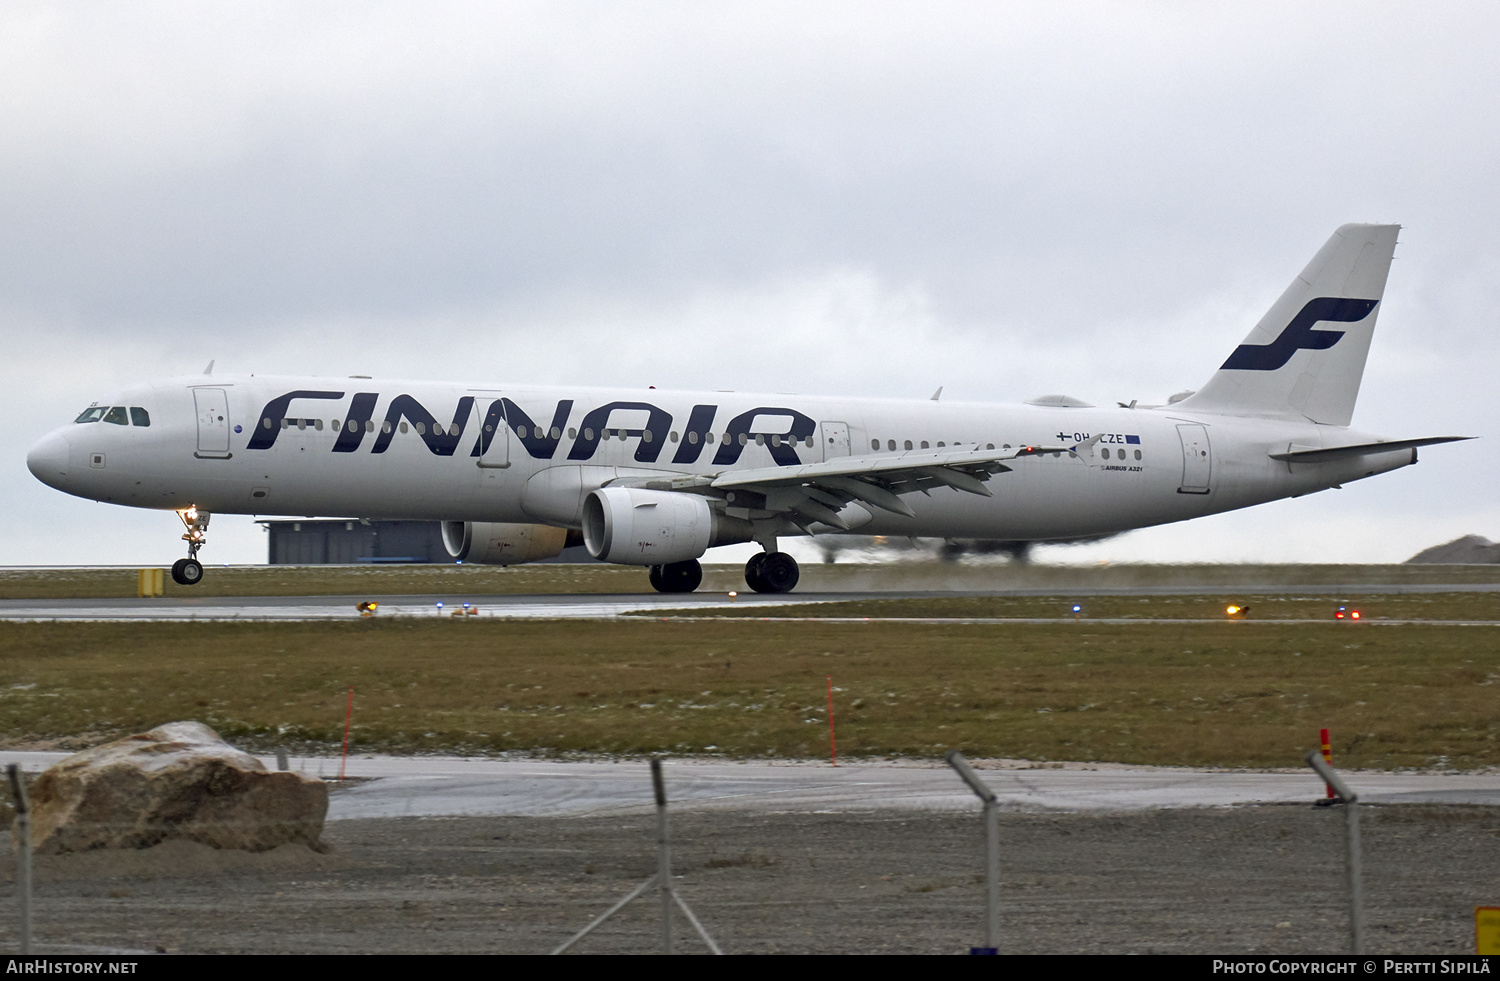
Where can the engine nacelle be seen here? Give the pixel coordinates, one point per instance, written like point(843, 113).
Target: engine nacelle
point(647, 527)
point(495, 543)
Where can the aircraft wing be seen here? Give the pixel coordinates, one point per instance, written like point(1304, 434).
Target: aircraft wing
point(815, 492)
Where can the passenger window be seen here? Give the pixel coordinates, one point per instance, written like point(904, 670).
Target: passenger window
point(874, 443)
point(708, 437)
point(1105, 453)
point(318, 425)
point(924, 444)
point(760, 439)
point(693, 438)
point(941, 444)
point(404, 427)
point(538, 432)
point(335, 425)
point(286, 423)
point(139, 416)
point(989, 446)
point(572, 432)
point(369, 425)
point(588, 434)
point(116, 415)
point(908, 444)
point(890, 444)
point(809, 442)
point(646, 436)
point(92, 414)
point(775, 440)
point(265, 423)
point(1137, 454)
point(744, 438)
point(556, 433)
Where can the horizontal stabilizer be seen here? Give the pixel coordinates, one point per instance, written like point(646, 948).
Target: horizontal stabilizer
point(1360, 449)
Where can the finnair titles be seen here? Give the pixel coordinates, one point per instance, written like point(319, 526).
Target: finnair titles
point(517, 472)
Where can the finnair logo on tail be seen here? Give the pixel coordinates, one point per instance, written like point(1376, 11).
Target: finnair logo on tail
point(1299, 334)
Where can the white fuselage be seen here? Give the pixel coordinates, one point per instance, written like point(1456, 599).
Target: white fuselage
point(351, 447)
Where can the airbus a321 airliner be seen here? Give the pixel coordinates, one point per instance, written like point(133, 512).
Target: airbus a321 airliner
point(655, 478)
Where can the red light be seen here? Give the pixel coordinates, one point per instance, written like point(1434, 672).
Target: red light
point(1354, 615)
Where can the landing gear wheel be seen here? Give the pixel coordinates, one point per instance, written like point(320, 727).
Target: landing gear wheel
point(752, 572)
point(677, 577)
point(187, 572)
point(775, 572)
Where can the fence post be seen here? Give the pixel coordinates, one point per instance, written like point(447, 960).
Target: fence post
point(1352, 861)
point(991, 847)
point(663, 856)
point(23, 853)
point(662, 879)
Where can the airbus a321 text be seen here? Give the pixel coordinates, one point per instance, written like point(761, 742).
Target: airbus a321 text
point(655, 478)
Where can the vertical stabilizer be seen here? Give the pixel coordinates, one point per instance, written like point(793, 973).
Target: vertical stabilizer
point(1307, 355)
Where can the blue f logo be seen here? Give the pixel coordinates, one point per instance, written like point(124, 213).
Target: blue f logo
point(1299, 334)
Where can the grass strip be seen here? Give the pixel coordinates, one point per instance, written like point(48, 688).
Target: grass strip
point(1194, 694)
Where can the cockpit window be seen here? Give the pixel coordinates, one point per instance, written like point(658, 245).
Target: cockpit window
point(116, 415)
point(139, 416)
point(92, 414)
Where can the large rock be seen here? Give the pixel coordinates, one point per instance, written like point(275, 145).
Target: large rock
point(178, 781)
point(1468, 550)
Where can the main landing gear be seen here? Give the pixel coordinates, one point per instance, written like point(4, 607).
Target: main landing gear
point(772, 572)
point(189, 571)
point(766, 572)
point(677, 577)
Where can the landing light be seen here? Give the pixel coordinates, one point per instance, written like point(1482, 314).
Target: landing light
point(1344, 613)
point(1236, 612)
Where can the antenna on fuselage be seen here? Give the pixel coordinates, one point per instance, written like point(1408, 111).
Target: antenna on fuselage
point(937, 394)
point(210, 369)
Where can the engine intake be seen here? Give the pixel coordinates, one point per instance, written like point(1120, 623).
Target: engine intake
point(497, 543)
point(646, 527)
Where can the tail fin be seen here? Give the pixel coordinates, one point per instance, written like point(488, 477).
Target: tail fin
point(1307, 355)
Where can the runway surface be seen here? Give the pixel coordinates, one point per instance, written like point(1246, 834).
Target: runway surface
point(603, 606)
point(383, 787)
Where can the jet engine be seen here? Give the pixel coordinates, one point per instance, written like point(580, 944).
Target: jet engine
point(495, 543)
point(647, 527)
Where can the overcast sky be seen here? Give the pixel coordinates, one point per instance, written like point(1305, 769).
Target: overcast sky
point(867, 199)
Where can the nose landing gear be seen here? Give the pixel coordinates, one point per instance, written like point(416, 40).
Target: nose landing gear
point(189, 571)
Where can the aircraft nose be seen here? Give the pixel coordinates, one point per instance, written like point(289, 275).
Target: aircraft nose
point(48, 459)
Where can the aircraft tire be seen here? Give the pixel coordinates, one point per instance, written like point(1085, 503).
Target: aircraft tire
point(777, 572)
point(679, 577)
point(187, 572)
point(654, 574)
point(752, 572)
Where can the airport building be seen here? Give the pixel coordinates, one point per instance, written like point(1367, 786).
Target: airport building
point(349, 542)
point(341, 542)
